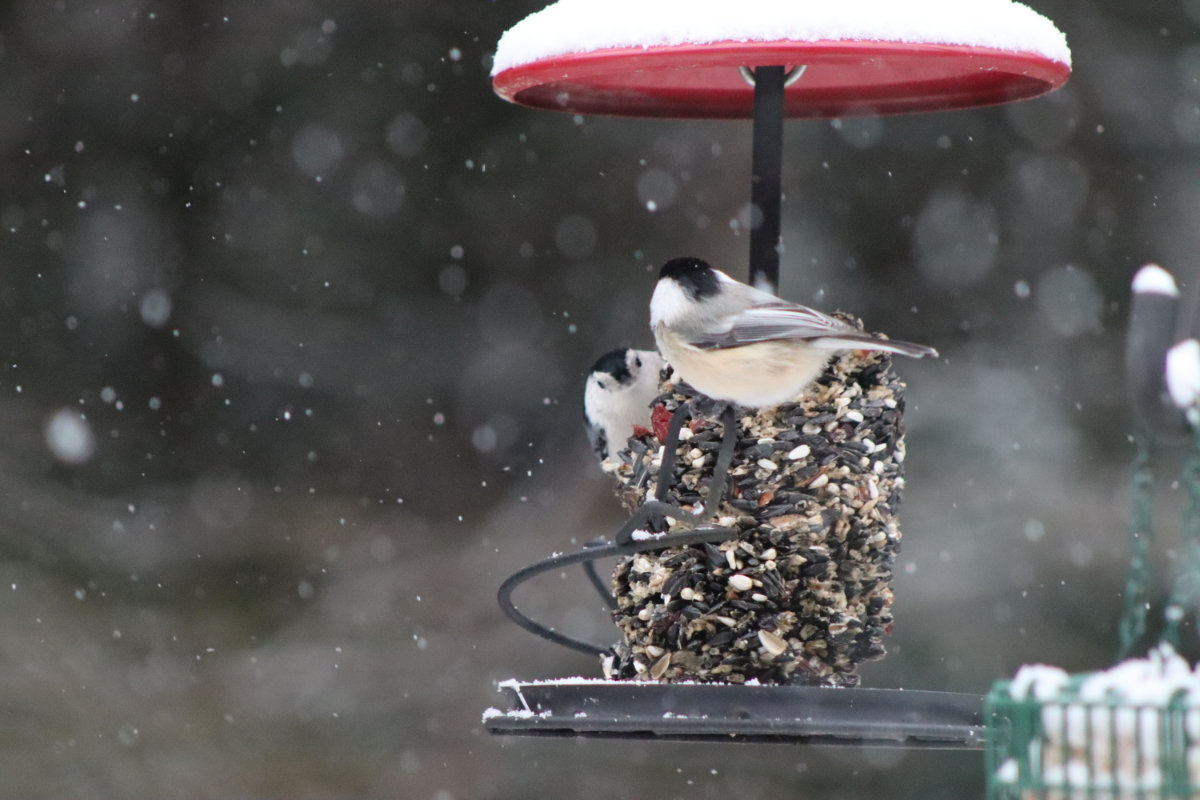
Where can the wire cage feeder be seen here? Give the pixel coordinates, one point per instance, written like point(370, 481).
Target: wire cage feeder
point(788, 71)
point(1071, 745)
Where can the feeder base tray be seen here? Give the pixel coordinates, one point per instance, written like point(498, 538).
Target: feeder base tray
point(724, 712)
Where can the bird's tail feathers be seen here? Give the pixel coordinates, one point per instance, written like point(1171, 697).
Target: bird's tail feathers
point(886, 345)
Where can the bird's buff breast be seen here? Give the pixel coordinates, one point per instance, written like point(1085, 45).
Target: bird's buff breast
point(755, 375)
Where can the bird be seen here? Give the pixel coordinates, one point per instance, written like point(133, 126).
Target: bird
point(741, 345)
point(617, 396)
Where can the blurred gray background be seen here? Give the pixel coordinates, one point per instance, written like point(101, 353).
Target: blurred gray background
point(295, 316)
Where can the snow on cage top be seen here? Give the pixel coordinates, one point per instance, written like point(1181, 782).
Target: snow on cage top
point(679, 58)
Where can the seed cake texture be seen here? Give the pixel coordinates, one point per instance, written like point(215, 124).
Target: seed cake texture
point(802, 595)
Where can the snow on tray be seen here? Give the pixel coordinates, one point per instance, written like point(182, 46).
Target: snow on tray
point(577, 26)
point(1152, 680)
point(516, 684)
point(1109, 728)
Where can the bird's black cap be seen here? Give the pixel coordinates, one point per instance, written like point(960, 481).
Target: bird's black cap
point(695, 276)
point(613, 362)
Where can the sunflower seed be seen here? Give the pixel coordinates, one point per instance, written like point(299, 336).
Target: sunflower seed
point(773, 643)
point(798, 452)
point(740, 583)
point(660, 667)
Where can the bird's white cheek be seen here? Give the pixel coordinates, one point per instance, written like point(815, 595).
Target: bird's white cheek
point(669, 303)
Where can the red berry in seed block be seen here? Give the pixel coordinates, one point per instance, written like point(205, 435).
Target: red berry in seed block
point(641, 431)
point(660, 420)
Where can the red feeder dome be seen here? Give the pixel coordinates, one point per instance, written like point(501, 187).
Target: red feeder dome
point(842, 78)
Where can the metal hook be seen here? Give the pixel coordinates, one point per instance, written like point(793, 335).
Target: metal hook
point(793, 75)
point(589, 553)
point(624, 543)
point(716, 489)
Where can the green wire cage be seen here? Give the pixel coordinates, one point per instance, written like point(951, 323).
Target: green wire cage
point(1069, 744)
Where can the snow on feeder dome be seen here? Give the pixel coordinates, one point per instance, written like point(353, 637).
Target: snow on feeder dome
point(680, 58)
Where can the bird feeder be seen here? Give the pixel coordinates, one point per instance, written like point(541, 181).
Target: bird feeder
point(766, 60)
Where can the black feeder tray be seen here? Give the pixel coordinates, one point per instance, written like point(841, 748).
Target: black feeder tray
point(728, 712)
point(766, 78)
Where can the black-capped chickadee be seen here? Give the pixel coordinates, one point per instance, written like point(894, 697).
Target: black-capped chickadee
point(741, 345)
point(617, 396)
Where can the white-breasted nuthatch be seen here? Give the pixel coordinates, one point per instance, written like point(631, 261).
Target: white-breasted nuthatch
point(619, 389)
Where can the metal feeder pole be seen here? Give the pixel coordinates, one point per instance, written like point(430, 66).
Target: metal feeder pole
point(766, 185)
point(1152, 323)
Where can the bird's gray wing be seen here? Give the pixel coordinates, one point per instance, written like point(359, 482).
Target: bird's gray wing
point(776, 321)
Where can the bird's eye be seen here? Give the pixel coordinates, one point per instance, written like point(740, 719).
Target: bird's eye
point(637, 361)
